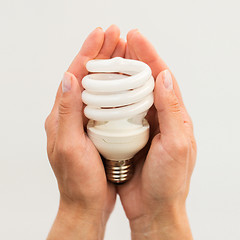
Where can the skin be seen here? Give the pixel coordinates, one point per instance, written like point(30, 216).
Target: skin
point(154, 199)
point(86, 198)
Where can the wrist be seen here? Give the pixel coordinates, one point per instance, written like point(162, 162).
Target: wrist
point(75, 222)
point(166, 223)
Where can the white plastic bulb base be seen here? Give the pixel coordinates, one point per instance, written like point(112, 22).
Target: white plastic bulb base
point(118, 93)
point(118, 141)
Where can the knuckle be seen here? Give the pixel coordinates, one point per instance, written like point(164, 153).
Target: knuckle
point(181, 146)
point(64, 107)
point(174, 106)
point(66, 149)
point(173, 103)
point(194, 143)
point(49, 149)
point(63, 149)
point(47, 122)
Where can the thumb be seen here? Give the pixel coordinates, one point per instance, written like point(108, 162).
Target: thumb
point(70, 122)
point(170, 116)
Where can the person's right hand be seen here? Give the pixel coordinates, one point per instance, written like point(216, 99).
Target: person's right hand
point(86, 198)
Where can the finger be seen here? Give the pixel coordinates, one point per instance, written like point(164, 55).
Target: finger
point(147, 53)
point(57, 98)
point(169, 111)
point(130, 43)
point(90, 49)
point(120, 49)
point(51, 122)
point(51, 131)
point(111, 38)
point(127, 54)
point(70, 122)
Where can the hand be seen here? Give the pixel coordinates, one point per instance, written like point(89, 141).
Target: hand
point(154, 199)
point(86, 198)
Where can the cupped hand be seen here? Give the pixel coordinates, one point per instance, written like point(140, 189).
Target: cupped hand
point(154, 199)
point(84, 190)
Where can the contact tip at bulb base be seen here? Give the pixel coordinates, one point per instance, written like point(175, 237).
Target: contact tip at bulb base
point(118, 171)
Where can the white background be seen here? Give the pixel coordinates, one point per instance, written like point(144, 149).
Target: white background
point(200, 42)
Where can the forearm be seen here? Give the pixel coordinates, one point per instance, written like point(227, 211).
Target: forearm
point(74, 223)
point(168, 225)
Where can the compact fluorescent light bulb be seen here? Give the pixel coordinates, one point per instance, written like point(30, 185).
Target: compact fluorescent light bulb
point(118, 93)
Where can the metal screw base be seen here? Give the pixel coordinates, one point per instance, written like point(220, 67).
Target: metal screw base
point(118, 171)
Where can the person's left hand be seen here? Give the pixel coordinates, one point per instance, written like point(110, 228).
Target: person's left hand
point(154, 199)
point(86, 198)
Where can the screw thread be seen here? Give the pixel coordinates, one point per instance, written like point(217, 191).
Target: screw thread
point(118, 171)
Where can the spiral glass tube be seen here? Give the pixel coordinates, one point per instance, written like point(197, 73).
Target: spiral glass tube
point(118, 93)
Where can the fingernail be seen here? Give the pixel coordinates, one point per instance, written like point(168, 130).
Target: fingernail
point(167, 80)
point(99, 28)
point(66, 83)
